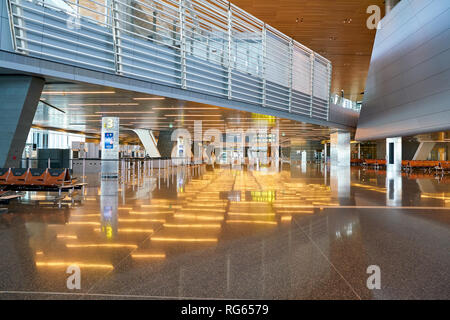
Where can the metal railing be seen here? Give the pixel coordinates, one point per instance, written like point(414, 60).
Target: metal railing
point(345, 103)
point(207, 46)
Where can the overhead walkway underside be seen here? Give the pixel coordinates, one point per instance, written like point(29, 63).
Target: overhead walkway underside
point(201, 51)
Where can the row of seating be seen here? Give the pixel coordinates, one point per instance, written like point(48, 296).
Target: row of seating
point(426, 164)
point(49, 178)
point(374, 162)
point(409, 165)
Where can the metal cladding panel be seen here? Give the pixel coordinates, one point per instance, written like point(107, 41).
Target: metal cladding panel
point(408, 85)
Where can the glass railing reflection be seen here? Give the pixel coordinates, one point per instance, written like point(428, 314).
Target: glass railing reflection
point(345, 103)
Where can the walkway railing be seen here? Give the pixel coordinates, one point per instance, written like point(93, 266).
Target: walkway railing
point(345, 103)
point(206, 46)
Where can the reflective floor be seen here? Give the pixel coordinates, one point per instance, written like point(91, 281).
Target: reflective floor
point(296, 232)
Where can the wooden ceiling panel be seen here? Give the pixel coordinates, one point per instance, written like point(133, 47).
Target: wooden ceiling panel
point(334, 28)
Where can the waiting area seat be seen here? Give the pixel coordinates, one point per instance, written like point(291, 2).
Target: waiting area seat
point(36, 176)
point(57, 177)
point(441, 167)
point(17, 176)
point(427, 165)
point(374, 163)
point(36, 179)
point(4, 174)
point(356, 162)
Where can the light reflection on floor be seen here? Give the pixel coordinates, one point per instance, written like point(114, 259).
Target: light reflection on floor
point(156, 222)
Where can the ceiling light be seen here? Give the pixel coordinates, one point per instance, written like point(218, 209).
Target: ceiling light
point(76, 92)
point(207, 108)
point(102, 104)
point(209, 120)
point(150, 98)
point(192, 115)
point(114, 112)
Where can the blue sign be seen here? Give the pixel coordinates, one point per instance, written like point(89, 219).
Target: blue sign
point(109, 140)
point(107, 213)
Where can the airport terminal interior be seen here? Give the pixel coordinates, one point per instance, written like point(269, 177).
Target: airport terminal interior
point(202, 149)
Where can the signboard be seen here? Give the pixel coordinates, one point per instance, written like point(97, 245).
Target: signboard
point(109, 140)
point(110, 147)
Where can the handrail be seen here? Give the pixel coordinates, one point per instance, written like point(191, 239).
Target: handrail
point(345, 103)
point(177, 43)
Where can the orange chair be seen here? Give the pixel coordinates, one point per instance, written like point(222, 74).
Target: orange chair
point(17, 177)
point(57, 177)
point(4, 173)
point(36, 177)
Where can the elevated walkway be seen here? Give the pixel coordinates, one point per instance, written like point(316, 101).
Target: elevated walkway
point(200, 51)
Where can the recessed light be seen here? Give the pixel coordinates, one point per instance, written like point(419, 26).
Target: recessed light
point(102, 104)
point(192, 115)
point(76, 92)
point(204, 108)
point(121, 112)
point(150, 98)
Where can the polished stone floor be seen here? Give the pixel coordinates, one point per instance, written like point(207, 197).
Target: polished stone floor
point(296, 232)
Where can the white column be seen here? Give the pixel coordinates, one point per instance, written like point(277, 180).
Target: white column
point(109, 205)
point(394, 154)
point(424, 150)
point(340, 148)
point(340, 177)
point(110, 147)
point(393, 188)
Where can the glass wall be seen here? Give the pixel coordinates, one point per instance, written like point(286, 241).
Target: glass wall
point(47, 139)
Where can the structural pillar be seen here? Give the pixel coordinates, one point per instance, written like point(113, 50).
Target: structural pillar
point(340, 165)
point(340, 148)
point(110, 147)
point(394, 188)
point(423, 151)
point(19, 97)
point(109, 201)
point(394, 154)
point(340, 182)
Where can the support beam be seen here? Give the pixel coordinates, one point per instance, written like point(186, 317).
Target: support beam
point(340, 177)
point(394, 154)
point(148, 141)
point(424, 150)
point(393, 187)
point(19, 97)
point(110, 147)
point(340, 148)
